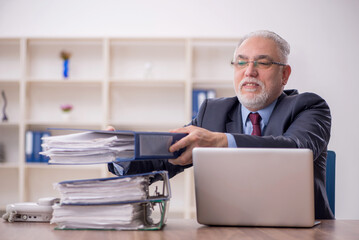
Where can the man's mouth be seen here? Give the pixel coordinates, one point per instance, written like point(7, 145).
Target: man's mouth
point(250, 86)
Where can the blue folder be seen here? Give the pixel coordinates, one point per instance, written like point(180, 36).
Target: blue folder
point(147, 145)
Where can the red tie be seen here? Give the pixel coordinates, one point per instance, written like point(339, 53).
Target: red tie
point(255, 119)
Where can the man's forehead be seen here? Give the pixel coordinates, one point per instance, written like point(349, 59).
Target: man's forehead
point(257, 47)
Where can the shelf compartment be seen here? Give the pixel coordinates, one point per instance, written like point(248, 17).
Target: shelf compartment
point(148, 59)
point(149, 105)
point(12, 93)
point(212, 58)
point(44, 101)
point(8, 186)
point(9, 144)
point(10, 59)
point(45, 62)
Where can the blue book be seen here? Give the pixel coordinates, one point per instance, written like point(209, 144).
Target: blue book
point(198, 97)
point(29, 142)
point(37, 146)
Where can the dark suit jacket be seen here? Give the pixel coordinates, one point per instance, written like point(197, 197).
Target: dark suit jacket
point(297, 121)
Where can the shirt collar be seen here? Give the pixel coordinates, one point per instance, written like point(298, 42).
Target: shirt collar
point(265, 113)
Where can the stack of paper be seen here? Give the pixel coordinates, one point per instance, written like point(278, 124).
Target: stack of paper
point(103, 190)
point(114, 217)
point(106, 203)
point(95, 146)
point(117, 203)
point(111, 203)
point(88, 148)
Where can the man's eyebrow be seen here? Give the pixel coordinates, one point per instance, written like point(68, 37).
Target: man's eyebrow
point(262, 57)
point(242, 56)
point(255, 58)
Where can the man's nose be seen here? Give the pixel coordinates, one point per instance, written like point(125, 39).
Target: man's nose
point(251, 71)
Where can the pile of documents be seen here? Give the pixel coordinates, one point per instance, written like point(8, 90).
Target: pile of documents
point(120, 203)
point(87, 148)
point(104, 217)
point(104, 190)
point(91, 147)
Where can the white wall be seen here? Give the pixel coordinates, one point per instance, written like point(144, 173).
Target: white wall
point(323, 36)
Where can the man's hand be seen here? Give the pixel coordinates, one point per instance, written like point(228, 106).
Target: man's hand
point(197, 137)
point(110, 128)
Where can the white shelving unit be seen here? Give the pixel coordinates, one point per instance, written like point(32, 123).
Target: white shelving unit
point(133, 84)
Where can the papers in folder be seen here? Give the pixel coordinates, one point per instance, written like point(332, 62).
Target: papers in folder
point(120, 203)
point(93, 146)
point(100, 191)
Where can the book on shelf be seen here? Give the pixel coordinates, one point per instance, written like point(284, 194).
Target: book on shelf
point(118, 203)
point(97, 146)
point(198, 97)
point(33, 143)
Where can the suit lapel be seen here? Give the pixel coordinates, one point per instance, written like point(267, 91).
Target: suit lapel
point(234, 124)
point(275, 119)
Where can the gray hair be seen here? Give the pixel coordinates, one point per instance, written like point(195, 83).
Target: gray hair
point(283, 45)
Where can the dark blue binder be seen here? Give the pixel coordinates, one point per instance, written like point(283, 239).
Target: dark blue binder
point(198, 97)
point(147, 145)
point(29, 142)
point(37, 146)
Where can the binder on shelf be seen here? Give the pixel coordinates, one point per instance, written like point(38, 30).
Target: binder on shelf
point(29, 141)
point(37, 146)
point(118, 203)
point(99, 146)
point(198, 97)
point(33, 143)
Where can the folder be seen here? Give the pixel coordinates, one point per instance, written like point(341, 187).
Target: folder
point(29, 142)
point(198, 97)
point(92, 203)
point(37, 146)
point(98, 146)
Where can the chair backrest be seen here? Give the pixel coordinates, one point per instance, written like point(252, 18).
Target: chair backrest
point(330, 179)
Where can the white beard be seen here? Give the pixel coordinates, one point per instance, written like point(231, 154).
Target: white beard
point(256, 101)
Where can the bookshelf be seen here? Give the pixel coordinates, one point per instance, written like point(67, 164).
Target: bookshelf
point(142, 84)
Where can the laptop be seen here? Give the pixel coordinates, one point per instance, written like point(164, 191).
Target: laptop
point(254, 187)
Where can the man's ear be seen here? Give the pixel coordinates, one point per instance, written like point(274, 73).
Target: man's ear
point(285, 74)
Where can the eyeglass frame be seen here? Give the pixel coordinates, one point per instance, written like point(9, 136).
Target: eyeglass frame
point(255, 63)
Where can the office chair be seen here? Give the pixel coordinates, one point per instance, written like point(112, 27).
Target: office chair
point(330, 179)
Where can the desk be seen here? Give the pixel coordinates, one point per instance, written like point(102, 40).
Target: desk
point(184, 229)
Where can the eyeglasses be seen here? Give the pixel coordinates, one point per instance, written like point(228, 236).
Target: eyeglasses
point(261, 64)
